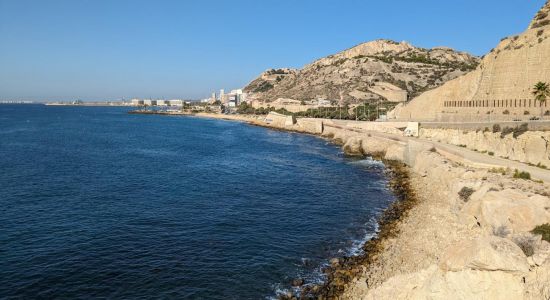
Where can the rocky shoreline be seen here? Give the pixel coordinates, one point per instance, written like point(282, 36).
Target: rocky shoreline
point(466, 231)
point(343, 270)
point(458, 230)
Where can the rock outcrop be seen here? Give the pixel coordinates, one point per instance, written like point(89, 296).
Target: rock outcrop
point(485, 254)
point(508, 74)
point(377, 70)
point(512, 209)
point(277, 120)
point(531, 147)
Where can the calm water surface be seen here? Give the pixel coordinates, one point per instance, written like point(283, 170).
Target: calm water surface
point(97, 203)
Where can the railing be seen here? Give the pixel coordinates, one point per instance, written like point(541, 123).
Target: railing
point(500, 103)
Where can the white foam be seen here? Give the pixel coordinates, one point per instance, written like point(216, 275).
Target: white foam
point(368, 162)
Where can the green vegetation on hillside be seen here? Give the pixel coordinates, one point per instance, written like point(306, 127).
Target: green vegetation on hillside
point(543, 230)
point(364, 112)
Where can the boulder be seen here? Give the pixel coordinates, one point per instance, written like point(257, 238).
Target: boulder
point(353, 146)
point(433, 283)
point(489, 253)
point(511, 208)
point(395, 152)
point(375, 145)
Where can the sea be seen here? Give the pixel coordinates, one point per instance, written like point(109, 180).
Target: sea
point(98, 203)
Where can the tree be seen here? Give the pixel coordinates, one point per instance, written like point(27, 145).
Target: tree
point(541, 91)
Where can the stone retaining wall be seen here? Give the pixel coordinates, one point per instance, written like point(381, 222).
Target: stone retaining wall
point(530, 147)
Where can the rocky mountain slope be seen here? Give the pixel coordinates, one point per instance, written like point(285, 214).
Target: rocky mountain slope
point(380, 69)
point(509, 71)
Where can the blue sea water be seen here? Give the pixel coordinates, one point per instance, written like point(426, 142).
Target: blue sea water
point(98, 203)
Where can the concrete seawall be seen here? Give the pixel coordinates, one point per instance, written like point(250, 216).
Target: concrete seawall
point(351, 136)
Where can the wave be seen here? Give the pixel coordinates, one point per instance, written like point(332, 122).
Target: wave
point(368, 162)
point(153, 152)
point(317, 277)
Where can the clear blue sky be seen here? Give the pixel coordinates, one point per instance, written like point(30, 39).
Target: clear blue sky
point(100, 49)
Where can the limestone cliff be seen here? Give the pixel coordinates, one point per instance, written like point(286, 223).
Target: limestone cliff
point(507, 73)
point(380, 69)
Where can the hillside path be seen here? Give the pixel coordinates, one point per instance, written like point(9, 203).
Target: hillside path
point(463, 155)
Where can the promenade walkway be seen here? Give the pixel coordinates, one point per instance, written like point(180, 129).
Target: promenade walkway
point(462, 155)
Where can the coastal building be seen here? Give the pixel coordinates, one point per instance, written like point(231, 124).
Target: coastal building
point(175, 102)
point(321, 102)
point(149, 102)
point(136, 102)
point(232, 100)
point(163, 103)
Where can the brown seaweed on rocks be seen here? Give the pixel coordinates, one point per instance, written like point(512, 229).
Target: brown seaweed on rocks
point(344, 270)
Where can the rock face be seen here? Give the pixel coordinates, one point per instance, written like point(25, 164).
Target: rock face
point(505, 76)
point(485, 254)
point(530, 147)
point(380, 69)
point(278, 120)
point(510, 209)
point(433, 283)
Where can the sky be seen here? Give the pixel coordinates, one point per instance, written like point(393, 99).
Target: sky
point(107, 50)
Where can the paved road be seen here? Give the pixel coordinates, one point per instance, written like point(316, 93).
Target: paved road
point(467, 156)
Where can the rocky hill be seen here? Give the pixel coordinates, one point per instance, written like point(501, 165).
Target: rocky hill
point(380, 69)
point(506, 74)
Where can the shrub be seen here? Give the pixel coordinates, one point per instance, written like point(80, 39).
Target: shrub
point(547, 113)
point(465, 193)
point(432, 149)
point(491, 153)
point(540, 32)
point(522, 175)
point(496, 128)
point(506, 112)
point(506, 131)
point(501, 231)
point(523, 128)
point(543, 230)
point(541, 23)
point(542, 15)
point(525, 113)
point(526, 244)
point(501, 171)
point(263, 87)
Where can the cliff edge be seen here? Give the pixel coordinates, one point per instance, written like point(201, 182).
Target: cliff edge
point(507, 73)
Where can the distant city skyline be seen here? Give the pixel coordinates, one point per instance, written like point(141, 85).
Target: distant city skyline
point(63, 50)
